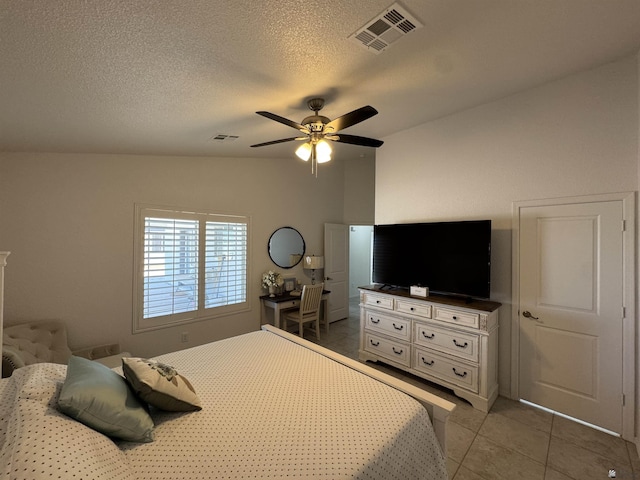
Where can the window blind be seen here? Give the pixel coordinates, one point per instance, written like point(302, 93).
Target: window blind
point(191, 266)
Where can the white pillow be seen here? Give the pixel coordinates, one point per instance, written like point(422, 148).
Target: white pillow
point(42, 442)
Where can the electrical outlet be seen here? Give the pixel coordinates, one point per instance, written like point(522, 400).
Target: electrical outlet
point(184, 337)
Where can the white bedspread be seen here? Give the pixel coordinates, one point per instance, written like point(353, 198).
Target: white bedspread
point(273, 409)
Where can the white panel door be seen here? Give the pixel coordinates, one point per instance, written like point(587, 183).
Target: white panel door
point(571, 316)
point(336, 269)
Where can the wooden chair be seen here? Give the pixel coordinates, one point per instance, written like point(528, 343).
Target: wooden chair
point(309, 310)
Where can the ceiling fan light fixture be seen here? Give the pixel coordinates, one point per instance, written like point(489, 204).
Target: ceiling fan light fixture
point(304, 151)
point(317, 129)
point(323, 151)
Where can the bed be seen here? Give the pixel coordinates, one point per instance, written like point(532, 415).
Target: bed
point(273, 406)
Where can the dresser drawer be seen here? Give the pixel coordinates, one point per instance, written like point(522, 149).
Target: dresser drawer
point(446, 368)
point(383, 347)
point(463, 345)
point(456, 317)
point(381, 302)
point(393, 326)
point(413, 309)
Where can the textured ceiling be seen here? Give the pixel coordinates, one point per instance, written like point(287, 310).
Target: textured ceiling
point(164, 77)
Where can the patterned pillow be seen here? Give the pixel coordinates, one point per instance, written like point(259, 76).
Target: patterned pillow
point(101, 399)
point(41, 442)
point(160, 385)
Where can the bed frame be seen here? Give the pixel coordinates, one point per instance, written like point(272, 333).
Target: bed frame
point(438, 408)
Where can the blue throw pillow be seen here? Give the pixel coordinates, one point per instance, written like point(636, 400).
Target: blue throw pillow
point(101, 399)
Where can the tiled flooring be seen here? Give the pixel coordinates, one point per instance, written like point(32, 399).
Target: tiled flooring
point(512, 441)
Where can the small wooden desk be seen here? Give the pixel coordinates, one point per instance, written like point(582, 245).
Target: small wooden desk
point(287, 301)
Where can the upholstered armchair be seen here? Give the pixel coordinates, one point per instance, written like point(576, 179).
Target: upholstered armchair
point(46, 341)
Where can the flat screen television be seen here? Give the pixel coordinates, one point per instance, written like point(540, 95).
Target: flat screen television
point(447, 257)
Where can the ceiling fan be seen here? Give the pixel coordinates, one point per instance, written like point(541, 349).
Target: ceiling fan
point(316, 129)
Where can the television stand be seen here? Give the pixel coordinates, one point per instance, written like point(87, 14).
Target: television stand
point(450, 341)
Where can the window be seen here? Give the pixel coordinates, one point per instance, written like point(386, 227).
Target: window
point(189, 266)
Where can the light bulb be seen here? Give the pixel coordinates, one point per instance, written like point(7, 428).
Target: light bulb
point(323, 151)
point(304, 151)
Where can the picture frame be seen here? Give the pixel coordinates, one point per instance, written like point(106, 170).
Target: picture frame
point(289, 284)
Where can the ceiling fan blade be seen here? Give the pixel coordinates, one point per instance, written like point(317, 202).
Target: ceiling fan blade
point(284, 121)
point(356, 140)
point(282, 140)
point(351, 118)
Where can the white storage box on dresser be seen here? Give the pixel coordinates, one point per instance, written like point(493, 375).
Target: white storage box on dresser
point(446, 340)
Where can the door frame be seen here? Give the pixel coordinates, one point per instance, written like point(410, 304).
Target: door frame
point(628, 200)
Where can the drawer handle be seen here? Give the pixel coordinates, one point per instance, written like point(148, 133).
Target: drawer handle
point(398, 327)
point(412, 309)
point(460, 345)
point(373, 320)
point(375, 344)
point(378, 301)
point(430, 337)
point(396, 352)
point(455, 317)
point(462, 375)
point(427, 363)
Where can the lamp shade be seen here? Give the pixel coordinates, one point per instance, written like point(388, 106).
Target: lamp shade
point(323, 151)
point(304, 151)
point(313, 262)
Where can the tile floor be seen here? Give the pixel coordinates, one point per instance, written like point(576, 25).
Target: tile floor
point(512, 441)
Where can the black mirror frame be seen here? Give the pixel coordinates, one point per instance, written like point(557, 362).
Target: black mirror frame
point(304, 247)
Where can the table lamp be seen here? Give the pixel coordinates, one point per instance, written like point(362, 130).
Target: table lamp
point(313, 262)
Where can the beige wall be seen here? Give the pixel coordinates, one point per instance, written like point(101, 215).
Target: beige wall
point(68, 221)
point(574, 136)
point(359, 194)
point(638, 296)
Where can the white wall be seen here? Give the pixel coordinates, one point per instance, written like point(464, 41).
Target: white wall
point(574, 136)
point(359, 194)
point(68, 221)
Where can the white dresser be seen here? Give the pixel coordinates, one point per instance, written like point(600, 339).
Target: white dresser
point(446, 340)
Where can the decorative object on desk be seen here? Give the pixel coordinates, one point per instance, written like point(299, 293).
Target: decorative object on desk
point(286, 247)
point(289, 284)
point(313, 263)
point(272, 280)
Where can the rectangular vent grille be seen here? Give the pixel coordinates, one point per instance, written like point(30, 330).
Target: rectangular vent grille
point(221, 137)
point(381, 31)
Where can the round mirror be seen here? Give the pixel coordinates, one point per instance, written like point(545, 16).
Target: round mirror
point(286, 247)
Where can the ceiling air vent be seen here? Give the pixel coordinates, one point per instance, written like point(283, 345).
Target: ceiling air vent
point(220, 137)
point(381, 31)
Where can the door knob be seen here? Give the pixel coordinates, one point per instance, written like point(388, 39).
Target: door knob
point(527, 314)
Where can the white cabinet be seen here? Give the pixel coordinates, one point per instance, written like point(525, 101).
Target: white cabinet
point(446, 340)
